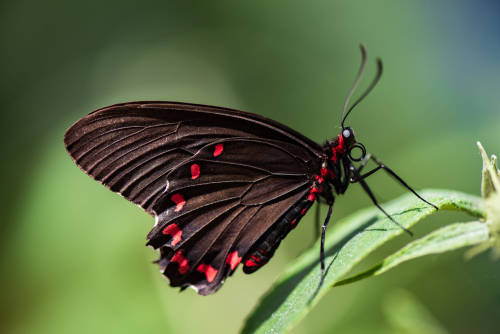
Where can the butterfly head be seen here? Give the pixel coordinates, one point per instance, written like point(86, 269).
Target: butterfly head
point(345, 146)
point(355, 151)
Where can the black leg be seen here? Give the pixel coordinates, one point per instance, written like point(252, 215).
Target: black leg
point(394, 175)
point(374, 200)
point(380, 165)
point(317, 226)
point(322, 249)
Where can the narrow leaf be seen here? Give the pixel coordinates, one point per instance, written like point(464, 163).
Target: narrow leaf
point(348, 243)
point(442, 240)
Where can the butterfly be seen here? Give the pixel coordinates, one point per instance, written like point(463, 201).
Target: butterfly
point(224, 186)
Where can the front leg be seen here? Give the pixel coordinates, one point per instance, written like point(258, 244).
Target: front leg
point(380, 165)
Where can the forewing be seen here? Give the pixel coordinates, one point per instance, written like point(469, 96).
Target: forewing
point(132, 147)
point(215, 179)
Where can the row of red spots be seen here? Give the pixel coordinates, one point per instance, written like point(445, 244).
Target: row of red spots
point(209, 271)
point(182, 261)
point(218, 150)
point(195, 171)
point(179, 201)
point(175, 232)
point(233, 259)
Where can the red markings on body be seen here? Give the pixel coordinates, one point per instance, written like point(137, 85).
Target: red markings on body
point(179, 201)
point(218, 150)
point(209, 271)
point(233, 259)
point(195, 171)
point(182, 261)
point(312, 194)
point(303, 212)
point(251, 263)
point(254, 261)
point(339, 149)
point(318, 178)
point(174, 231)
point(294, 223)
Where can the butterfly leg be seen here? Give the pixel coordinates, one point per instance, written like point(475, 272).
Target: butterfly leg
point(389, 171)
point(381, 165)
point(322, 248)
point(360, 179)
point(317, 225)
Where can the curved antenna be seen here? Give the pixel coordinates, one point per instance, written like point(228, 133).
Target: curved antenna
point(356, 82)
point(368, 90)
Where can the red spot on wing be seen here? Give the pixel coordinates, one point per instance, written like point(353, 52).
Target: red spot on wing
point(195, 171)
point(182, 261)
point(294, 223)
point(209, 271)
point(179, 201)
point(218, 150)
point(303, 212)
point(174, 231)
point(233, 259)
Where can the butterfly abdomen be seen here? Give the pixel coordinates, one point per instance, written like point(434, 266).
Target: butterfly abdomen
point(264, 249)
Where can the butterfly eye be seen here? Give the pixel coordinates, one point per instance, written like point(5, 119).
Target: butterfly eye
point(357, 152)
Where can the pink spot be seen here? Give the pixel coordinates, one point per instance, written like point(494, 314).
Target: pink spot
point(174, 231)
point(210, 272)
point(179, 201)
point(195, 171)
point(218, 150)
point(182, 261)
point(233, 260)
point(303, 212)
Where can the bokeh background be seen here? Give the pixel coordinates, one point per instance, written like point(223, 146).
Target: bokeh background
point(72, 253)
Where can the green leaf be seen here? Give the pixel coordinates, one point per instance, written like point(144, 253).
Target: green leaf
point(442, 240)
point(347, 243)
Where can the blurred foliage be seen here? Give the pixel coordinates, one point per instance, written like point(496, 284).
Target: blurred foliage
point(72, 253)
point(407, 315)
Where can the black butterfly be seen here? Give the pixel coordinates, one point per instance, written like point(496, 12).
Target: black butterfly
point(224, 186)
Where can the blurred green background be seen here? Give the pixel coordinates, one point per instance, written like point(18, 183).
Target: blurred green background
point(72, 253)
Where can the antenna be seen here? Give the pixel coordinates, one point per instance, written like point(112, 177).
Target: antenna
point(367, 91)
point(356, 82)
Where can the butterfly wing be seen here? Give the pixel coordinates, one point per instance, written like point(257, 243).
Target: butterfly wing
point(214, 179)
